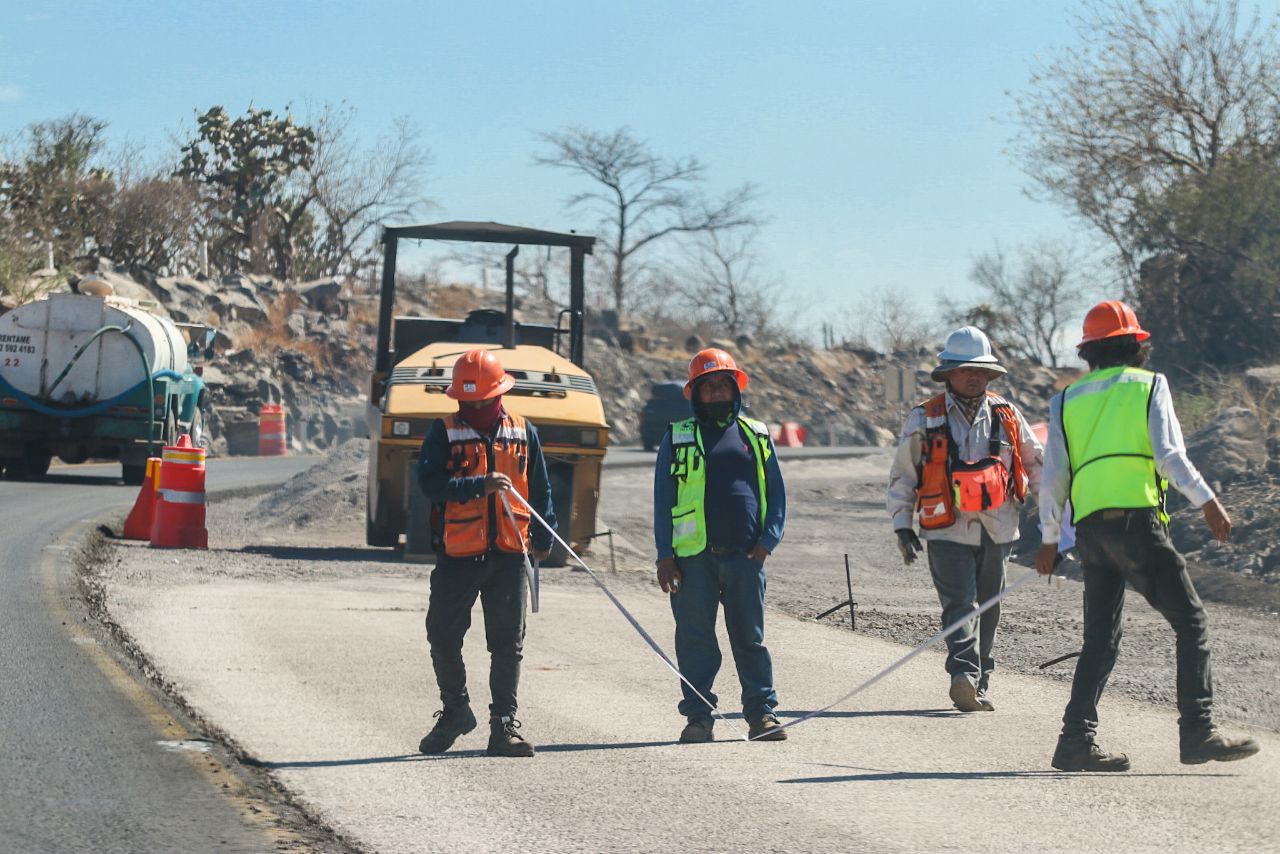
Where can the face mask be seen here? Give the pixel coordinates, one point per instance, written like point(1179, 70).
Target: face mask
point(483, 418)
point(719, 412)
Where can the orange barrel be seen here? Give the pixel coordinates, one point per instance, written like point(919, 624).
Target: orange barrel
point(179, 516)
point(273, 438)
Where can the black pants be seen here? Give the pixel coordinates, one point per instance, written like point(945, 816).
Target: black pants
point(498, 579)
point(1134, 546)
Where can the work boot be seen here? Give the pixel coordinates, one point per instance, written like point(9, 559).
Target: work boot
point(983, 698)
point(1209, 745)
point(451, 722)
point(697, 731)
point(964, 694)
point(767, 729)
point(1083, 754)
point(504, 740)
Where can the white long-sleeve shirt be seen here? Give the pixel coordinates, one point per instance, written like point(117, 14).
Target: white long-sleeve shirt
point(1167, 446)
point(973, 442)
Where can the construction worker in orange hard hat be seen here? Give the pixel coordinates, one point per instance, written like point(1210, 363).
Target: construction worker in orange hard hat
point(468, 460)
point(719, 512)
point(1114, 447)
point(966, 461)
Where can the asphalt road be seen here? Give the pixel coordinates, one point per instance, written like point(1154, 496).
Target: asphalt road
point(85, 765)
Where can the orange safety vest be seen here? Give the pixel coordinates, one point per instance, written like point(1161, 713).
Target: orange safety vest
point(467, 531)
point(936, 493)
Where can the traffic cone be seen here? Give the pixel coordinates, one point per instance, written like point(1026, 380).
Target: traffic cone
point(791, 435)
point(273, 437)
point(138, 525)
point(179, 516)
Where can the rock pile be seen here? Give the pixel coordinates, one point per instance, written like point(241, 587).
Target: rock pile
point(1238, 452)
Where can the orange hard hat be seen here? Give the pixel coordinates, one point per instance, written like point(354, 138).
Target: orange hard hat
point(710, 361)
point(478, 375)
point(1109, 319)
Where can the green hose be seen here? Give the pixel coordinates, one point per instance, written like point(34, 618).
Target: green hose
point(146, 369)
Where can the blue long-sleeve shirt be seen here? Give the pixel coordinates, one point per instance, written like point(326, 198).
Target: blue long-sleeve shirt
point(439, 487)
point(664, 496)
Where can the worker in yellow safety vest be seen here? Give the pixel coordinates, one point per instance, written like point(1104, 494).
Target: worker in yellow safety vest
point(719, 508)
point(966, 460)
point(1114, 447)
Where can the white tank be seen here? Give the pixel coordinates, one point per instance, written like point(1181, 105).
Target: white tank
point(39, 339)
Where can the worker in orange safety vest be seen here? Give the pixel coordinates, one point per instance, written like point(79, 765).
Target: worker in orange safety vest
point(966, 460)
point(469, 459)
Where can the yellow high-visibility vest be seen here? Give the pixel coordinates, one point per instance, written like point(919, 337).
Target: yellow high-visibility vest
point(689, 468)
point(1104, 420)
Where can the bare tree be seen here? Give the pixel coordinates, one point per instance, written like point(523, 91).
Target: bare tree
point(725, 285)
point(1153, 94)
point(891, 321)
point(356, 190)
point(641, 198)
point(1028, 302)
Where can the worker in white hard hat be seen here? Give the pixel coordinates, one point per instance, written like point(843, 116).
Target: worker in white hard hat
point(966, 461)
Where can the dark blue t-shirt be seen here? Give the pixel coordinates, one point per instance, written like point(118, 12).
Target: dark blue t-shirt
point(733, 502)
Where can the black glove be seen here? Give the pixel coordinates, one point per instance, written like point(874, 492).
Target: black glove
point(909, 545)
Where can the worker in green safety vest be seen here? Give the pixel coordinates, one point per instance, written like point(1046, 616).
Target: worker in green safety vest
point(719, 510)
point(1114, 447)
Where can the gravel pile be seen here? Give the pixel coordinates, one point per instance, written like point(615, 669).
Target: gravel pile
point(330, 493)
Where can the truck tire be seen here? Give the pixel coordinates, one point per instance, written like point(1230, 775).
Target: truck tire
point(133, 474)
point(38, 465)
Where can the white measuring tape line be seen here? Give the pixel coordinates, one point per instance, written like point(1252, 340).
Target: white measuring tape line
point(949, 630)
point(530, 569)
point(635, 624)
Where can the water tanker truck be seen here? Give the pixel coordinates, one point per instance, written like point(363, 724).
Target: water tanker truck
point(93, 375)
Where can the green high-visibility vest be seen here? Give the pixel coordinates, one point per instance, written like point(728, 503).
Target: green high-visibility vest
point(1104, 420)
point(689, 468)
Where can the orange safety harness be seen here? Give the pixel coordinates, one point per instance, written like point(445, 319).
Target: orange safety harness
point(948, 484)
point(470, 527)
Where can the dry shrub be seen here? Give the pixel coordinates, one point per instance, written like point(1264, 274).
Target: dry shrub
point(274, 335)
point(1215, 392)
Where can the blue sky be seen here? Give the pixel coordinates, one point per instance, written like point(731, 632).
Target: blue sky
point(876, 131)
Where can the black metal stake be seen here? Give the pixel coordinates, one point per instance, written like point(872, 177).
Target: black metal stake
point(853, 606)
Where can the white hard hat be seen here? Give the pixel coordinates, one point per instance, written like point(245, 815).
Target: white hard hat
point(967, 347)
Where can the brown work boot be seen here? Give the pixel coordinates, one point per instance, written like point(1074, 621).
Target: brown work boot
point(451, 722)
point(1208, 745)
point(964, 694)
point(767, 729)
point(1081, 754)
point(697, 731)
point(985, 701)
point(504, 740)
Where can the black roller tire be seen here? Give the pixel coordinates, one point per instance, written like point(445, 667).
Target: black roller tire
point(559, 556)
point(378, 536)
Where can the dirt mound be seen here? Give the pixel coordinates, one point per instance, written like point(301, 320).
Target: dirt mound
point(331, 491)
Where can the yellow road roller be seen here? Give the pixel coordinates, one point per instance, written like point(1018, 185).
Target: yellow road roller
point(414, 365)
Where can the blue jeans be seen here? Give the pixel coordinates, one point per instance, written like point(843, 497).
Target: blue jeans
point(966, 576)
point(707, 581)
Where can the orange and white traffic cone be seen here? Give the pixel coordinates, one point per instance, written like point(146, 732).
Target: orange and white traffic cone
point(179, 517)
point(138, 525)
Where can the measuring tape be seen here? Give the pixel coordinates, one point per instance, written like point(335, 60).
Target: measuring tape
point(635, 624)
